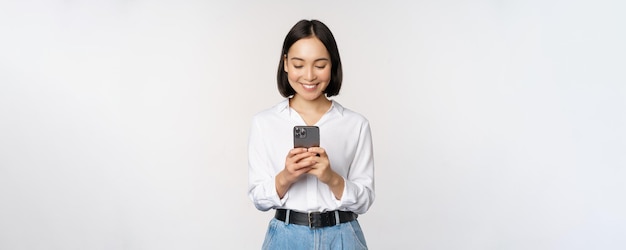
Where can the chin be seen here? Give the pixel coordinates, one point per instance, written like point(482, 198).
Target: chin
point(313, 98)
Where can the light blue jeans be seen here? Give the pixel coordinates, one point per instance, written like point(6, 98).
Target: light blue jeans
point(281, 235)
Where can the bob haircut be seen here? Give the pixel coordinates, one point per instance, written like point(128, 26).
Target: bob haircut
point(306, 29)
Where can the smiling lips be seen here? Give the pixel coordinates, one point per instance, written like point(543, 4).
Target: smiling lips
point(308, 86)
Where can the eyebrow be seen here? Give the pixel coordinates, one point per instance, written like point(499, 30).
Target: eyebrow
point(316, 60)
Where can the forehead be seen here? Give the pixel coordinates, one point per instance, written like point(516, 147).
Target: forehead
point(308, 48)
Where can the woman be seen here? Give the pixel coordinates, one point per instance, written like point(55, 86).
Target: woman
point(317, 192)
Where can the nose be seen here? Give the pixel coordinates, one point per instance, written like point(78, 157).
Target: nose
point(309, 75)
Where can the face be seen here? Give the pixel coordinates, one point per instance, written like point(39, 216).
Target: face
point(308, 68)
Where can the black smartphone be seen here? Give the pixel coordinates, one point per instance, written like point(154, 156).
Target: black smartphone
point(306, 136)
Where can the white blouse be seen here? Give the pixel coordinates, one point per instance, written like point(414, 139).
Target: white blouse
point(346, 137)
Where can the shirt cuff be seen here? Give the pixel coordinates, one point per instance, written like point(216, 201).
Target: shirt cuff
point(273, 195)
point(346, 197)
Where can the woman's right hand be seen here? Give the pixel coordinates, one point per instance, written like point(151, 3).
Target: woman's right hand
point(298, 162)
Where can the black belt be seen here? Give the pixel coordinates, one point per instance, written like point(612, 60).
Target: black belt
point(315, 219)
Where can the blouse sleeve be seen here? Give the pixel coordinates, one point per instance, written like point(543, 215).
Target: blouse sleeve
point(261, 183)
point(358, 194)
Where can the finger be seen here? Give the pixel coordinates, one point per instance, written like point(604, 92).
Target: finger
point(303, 170)
point(298, 169)
point(302, 156)
point(317, 150)
point(295, 151)
point(293, 159)
point(308, 162)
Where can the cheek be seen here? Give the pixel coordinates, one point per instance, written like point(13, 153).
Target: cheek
point(325, 75)
point(292, 77)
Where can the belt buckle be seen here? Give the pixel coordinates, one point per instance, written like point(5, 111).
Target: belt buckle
point(311, 220)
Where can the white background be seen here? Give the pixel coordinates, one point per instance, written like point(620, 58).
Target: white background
point(496, 124)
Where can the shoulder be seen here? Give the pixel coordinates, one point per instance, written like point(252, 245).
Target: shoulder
point(272, 113)
point(350, 114)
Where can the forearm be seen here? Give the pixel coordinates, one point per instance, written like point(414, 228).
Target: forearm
point(336, 185)
point(282, 184)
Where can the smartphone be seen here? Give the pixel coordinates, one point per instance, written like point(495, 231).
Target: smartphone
point(306, 136)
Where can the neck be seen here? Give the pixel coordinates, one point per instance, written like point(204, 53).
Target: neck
point(320, 104)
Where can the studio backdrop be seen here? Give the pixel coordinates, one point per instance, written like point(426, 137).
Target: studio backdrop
point(496, 124)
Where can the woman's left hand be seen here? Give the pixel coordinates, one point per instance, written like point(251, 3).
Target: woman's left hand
point(322, 170)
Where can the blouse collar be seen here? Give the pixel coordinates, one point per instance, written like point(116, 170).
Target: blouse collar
point(334, 107)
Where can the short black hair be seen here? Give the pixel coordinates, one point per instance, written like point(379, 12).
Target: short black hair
point(305, 29)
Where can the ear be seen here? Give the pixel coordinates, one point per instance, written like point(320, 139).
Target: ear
point(285, 63)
